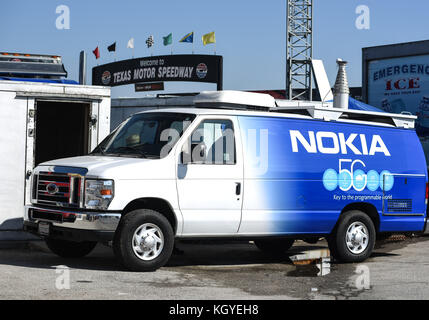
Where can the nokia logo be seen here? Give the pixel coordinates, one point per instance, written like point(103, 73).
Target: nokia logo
point(335, 143)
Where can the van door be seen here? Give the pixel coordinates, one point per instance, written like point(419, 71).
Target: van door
point(210, 182)
point(404, 195)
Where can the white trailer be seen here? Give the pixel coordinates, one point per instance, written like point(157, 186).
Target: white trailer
point(40, 122)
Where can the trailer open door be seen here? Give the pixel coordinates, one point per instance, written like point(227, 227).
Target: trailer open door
point(58, 129)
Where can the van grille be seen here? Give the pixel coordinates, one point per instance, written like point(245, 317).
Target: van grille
point(57, 189)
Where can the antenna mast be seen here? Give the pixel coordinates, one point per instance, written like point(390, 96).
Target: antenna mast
point(299, 51)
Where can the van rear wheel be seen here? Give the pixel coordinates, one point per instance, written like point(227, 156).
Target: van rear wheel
point(70, 249)
point(353, 239)
point(144, 240)
point(274, 246)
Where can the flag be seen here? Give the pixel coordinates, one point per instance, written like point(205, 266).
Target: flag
point(209, 38)
point(130, 44)
point(189, 38)
point(168, 39)
point(150, 41)
point(112, 47)
point(96, 53)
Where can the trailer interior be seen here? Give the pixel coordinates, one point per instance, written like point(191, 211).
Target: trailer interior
point(61, 130)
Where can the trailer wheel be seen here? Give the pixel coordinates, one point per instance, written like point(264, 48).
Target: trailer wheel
point(353, 238)
point(144, 240)
point(70, 249)
point(274, 246)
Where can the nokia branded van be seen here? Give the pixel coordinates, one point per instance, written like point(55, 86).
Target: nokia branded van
point(237, 166)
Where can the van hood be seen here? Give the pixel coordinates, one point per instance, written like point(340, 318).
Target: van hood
point(109, 167)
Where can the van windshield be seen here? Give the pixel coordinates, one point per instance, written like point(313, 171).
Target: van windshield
point(146, 135)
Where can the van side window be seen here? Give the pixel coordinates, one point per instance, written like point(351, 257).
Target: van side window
point(213, 142)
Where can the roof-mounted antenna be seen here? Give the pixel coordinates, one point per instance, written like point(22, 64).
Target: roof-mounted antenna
point(341, 88)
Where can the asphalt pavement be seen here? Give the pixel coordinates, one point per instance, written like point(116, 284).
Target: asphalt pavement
point(398, 269)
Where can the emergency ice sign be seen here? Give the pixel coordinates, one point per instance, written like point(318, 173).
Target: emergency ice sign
point(401, 84)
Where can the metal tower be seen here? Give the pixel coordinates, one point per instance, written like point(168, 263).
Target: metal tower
point(299, 51)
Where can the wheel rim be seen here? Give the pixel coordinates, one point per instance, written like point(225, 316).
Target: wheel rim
point(357, 237)
point(148, 242)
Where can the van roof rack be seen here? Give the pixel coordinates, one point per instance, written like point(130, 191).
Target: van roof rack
point(235, 100)
point(327, 112)
point(24, 65)
point(240, 100)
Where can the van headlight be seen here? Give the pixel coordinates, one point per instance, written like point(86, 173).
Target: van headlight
point(98, 194)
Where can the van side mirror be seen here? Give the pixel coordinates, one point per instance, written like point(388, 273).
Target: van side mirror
point(202, 150)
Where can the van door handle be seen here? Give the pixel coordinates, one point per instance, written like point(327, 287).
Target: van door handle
point(237, 188)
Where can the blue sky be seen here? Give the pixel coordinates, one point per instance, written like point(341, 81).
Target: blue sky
point(250, 34)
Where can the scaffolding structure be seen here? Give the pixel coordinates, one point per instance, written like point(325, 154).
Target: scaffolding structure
point(299, 51)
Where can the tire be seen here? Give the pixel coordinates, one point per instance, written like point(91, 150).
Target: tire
point(274, 246)
point(70, 249)
point(353, 238)
point(137, 226)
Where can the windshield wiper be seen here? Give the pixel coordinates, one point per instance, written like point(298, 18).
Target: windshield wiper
point(119, 149)
point(138, 152)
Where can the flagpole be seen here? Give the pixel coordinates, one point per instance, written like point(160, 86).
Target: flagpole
point(215, 45)
point(130, 45)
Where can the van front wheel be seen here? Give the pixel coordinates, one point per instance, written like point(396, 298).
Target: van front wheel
point(144, 240)
point(353, 238)
point(274, 246)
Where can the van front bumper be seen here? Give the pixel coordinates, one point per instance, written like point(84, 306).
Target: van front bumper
point(73, 225)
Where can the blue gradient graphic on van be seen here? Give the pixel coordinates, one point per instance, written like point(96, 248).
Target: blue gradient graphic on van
point(302, 183)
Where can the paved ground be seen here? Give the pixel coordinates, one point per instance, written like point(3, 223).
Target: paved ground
point(397, 270)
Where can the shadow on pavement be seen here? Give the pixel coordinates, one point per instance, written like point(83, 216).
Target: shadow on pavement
point(102, 259)
point(383, 254)
point(193, 254)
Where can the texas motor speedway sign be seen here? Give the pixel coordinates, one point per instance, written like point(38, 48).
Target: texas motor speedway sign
point(196, 68)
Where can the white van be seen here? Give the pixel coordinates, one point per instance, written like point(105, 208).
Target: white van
point(236, 166)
